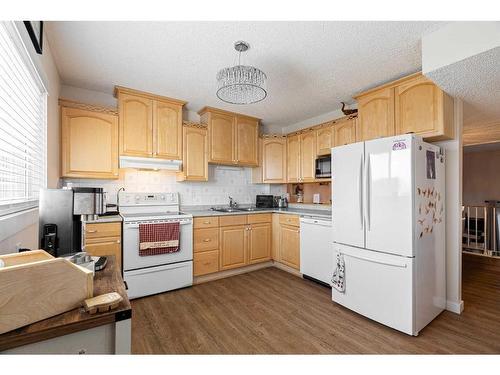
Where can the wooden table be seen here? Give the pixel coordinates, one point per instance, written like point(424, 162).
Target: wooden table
point(76, 331)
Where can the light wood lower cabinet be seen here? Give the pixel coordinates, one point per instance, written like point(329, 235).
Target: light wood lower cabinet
point(259, 243)
point(103, 239)
point(205, 245)
point(234, 240)
point(89, 141)
point(290, 246)
point(286, 240)
point(233, 246)
point(206, 262)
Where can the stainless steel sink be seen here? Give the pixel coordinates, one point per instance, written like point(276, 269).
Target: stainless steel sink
point(247, 209)
point(224, 209)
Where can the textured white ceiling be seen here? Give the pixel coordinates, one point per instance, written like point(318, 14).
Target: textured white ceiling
point(311, 66)
point(476, 80)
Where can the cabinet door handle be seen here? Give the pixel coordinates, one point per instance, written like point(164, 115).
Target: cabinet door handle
point(206, 222)
point(91, 230)
point(207, 240)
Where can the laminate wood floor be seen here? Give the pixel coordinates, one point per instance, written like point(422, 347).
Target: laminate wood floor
point(272, 312)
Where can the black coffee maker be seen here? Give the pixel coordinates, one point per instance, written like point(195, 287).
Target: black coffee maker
point(61, 212)
point(49, 238)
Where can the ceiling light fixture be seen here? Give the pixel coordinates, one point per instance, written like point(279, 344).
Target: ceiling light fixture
point(241, 84)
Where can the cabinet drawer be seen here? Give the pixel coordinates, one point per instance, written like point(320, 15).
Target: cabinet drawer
point(206, 262)
point(206, 222)
point(290, 219)
point(98, 230)
point(225, 221)
point(259, 218)
point(105, 247)
point(205, 239)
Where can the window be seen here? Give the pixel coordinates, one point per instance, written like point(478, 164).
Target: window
point(23, 118)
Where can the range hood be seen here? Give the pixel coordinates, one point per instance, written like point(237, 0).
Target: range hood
point(149, 163)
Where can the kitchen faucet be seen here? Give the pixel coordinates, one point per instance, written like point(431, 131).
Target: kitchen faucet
point(232, 203)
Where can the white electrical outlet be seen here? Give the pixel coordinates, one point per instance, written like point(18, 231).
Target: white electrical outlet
point(18, 246)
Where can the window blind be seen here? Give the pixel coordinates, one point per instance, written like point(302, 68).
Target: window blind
point(23, 107)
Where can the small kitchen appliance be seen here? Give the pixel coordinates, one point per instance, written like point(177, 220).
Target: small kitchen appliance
point(61, 212)
point(282, 202)
point(323, 167)
point(264, 201)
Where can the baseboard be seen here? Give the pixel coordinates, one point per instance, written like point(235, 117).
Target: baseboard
point(229, 273)
point(455, 307)
point(286, 268)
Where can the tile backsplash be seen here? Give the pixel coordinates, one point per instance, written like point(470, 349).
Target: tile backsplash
point(222, 182)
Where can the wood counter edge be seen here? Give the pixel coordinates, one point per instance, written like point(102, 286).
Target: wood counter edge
point(22, 336)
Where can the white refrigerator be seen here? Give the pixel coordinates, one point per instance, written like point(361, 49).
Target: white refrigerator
point(388, 218)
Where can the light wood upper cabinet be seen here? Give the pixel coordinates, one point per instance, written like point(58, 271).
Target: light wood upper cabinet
point(345, 132)
point(167, 130)
point(307, 156)
point(232, 138)
point(290, 246)
point(136, 125)
point(376, 114)
point(293, 158)
point(233, 246)
point(423, 108)
point(324, 139)
point(221, 139)
point(195, 154)
point(247, 135)
point(150, 125)
point(259, 243)
point(272, 161)
point(89, 141)
point(412, 104)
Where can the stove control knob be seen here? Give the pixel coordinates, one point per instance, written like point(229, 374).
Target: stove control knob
point(163, 197)
point(137, 197)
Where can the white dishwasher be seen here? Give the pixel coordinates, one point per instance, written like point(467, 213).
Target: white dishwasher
point(316, 248)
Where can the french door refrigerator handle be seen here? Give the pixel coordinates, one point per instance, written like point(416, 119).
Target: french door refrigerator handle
point(368, 191)
point(360, 188)
point(399, 265)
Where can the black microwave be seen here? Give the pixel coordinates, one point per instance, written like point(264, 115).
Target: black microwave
point(324, 167)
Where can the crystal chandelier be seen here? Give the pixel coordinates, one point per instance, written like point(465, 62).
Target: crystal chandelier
point(241, 84)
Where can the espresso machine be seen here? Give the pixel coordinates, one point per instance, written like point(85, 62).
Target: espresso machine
point(61, 212)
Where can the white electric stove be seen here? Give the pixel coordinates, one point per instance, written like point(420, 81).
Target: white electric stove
point(154, 274)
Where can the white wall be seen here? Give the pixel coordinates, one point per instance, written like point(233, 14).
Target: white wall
point(22, 229)
point(223, 182)
point(457, 41)
point(453, 154)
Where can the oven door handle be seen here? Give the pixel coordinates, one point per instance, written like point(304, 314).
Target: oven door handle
point(136, 226)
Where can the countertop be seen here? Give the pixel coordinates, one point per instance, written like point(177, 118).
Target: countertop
point(105, 281)
point(321, 213)
point(105, 219)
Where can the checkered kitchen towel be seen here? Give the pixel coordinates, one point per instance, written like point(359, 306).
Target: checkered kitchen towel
point(159, 238)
